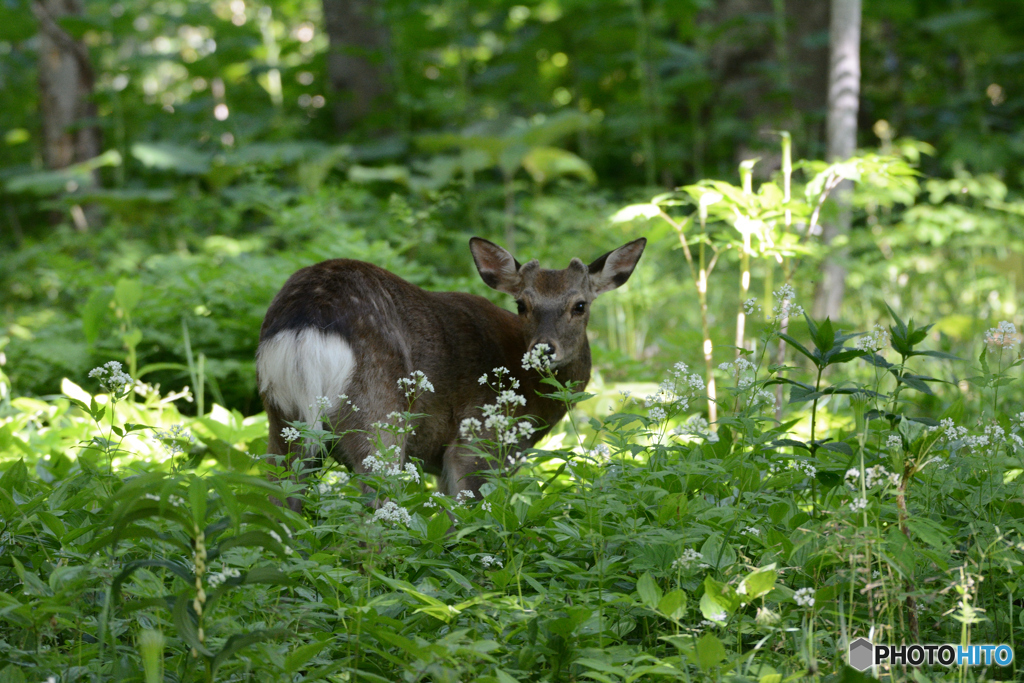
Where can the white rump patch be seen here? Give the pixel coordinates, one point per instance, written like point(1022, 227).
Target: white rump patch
point(297, 366)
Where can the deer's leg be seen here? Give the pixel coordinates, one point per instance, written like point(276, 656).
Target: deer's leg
point(461, 470)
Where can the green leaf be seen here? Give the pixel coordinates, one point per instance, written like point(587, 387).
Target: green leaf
point(185, 621)
point(648, 590)
point(127, 294)
point(799, 347)
point(171, 157)
point(237, 642)
point(824, 336)
point(710, 652)
point(673, 605)
point(197, 497)
point(93, 313)
point(302, 654)
point(928, 531)
point(758, 583)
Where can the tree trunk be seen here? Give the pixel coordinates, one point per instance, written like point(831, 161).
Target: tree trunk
point(843, 102)
point(66, 79)
point(355, 60)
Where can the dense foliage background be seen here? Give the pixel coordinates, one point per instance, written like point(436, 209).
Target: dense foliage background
point(226, 160)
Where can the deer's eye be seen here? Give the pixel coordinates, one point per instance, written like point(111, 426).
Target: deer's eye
point(580, 308)
point(521, 306)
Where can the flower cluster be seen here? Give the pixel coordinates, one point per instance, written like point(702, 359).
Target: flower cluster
point(738, 367)
point(784, 307)
point(332, 480)
point(434, 499)
point(858, 504)
point(751, 305)
point(804, 597)
point(687, 559)
point(1002, 336)
point(387, 464)
point(804, 466)
point(875, 340)
point(894, 442)
point(463, 496)
point(111, 376)
point(538, 358)
point(873, 476)
point(600, 452)
point(674, 393)
point(415, 385)
point(392, 512)
point(696, 426)
point(172, 439)
point(176, 501)
point(322, 404)
point(290, 434)
point(489, 561)
point(214, 580)
point(500, 416)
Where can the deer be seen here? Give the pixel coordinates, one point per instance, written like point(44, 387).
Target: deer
point(349, 328)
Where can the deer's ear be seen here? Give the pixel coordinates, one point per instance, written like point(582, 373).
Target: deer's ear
point(498, 269)
point(614, 268)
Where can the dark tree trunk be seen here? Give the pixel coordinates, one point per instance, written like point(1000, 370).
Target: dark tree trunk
point(843, 103)
point(355, 62)
point(68, 114)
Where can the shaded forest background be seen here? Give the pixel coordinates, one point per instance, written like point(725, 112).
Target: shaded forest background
point(215, 147)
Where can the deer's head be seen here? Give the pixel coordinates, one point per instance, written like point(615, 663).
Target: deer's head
point(554, 305)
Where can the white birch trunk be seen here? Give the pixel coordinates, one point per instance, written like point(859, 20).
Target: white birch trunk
point(843, 103)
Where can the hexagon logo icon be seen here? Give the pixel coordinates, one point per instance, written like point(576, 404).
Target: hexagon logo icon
point(862, 654)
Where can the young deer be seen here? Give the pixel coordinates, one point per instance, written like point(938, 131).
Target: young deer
point(348, 327)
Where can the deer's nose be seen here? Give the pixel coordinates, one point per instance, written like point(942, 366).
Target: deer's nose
point(549, 347)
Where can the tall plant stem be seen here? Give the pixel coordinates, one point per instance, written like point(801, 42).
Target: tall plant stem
point(787, 195)
point(746, 174)
point(700, 280)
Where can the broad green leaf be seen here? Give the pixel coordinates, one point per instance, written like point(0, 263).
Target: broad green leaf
point(710, 652)
point(673, 605)
point(758, 583)
point(648, 590)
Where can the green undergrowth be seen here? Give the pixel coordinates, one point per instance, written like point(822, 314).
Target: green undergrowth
point(640, 544)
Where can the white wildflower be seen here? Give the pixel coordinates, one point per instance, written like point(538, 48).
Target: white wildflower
point(483, 379)
point(657, 414)
point(875, 340)
point(750, 305)
point(807, 468)
point(688, 557)
point(804, 597)
point(432, 502)
point(111, 376)
point(1004, 336)
point(415, 384)
point(894, 442)
point(490, 560)
point(718, 617)
point(392, 512)
point(600, 452)
point(538, 358)
point(858, 504)
point(752, 531)
point(463, 496)
point(321, 403)
point(784, 307)
point(469, 428)
point(290, 434)
point(220, 577)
